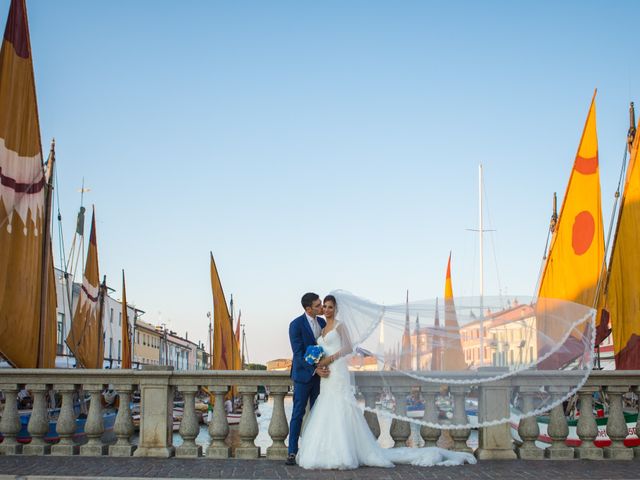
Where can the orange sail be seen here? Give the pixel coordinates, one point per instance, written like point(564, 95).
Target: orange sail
point(575, 261)
point(126, 334)
point(624, 281)
point(85, 339)
point(226, 355)
point(453, 357)
point(27, 323)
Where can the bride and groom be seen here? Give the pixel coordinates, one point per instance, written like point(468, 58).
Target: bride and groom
point(336, 435)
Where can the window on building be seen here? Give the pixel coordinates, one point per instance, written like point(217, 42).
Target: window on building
point(120, 319)
point(111, 348)
point(111, 316)
point(119, 348)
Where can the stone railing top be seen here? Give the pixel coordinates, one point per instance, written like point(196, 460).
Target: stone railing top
point(166, 375)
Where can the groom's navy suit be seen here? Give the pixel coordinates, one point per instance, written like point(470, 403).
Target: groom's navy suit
point(306, 385)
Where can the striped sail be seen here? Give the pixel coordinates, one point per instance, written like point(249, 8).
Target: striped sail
point(27, 324)
point(85, 339)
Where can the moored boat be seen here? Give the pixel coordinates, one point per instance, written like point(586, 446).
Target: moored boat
point(602, 439)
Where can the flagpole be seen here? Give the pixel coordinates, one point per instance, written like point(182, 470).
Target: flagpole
point(244, 343)
point(103, 291)
point(210, 343)
point(481, 232)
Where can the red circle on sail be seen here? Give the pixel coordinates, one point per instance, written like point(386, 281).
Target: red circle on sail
point(584, 227)
point(586, 166)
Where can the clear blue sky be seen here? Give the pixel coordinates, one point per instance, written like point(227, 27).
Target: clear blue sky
point(323, 145)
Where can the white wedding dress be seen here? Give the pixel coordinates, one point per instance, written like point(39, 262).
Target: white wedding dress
point(336, 435)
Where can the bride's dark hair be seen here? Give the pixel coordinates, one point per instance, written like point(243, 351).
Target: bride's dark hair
point(331, 298)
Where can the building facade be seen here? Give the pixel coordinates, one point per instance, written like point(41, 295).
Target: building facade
point(152, 345)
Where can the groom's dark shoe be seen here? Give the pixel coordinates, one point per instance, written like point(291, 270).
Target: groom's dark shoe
point(291, 459)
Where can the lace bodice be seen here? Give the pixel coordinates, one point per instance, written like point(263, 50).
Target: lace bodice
point(331, 342)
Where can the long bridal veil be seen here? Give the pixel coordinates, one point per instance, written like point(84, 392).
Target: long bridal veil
point(469, 363)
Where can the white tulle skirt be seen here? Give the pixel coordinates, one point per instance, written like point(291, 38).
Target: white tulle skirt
point(336, 434)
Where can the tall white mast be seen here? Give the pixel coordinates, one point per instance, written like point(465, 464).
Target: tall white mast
point(481, 232)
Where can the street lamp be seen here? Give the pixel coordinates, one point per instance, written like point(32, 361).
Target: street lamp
point(210, 342)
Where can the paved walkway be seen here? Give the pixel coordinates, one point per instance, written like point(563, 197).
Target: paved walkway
point(49, 468)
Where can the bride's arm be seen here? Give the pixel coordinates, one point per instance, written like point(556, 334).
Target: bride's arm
point(346, 349)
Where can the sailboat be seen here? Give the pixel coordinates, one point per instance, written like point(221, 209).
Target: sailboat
point(27, 281)
point(623, 282)
point(226, 352)
point(575, 267)
point(85, 340)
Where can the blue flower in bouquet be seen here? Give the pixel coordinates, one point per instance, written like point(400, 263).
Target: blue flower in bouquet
point(313, 354)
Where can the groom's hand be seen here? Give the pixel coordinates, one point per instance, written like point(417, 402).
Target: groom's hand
point(322, 372)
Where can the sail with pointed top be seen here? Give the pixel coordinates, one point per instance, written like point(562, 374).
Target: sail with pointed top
point(27, 323)
point(453, 357)
point(85, 339)
point(575, 261)
point(226, 355)
point(405, 355)
point(126, 332)
point(434, 345)
point(623, 280)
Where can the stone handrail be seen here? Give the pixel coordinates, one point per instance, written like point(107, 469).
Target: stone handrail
point(157, 386)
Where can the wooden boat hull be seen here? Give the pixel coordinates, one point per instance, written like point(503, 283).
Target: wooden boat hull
point(602, 440)
point(109, 419)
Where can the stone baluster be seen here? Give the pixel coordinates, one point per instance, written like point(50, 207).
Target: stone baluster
point(38, 423)
point(460, 435)
point(10, 422)
point(189, 427)
point(400, 429)
point(587, 429)
point(66, 424)
point(218, 426)
point(370, 394)
point(94, 426)
point(528, 428)
point(123, 427)
point(156, 413)
point(558, 428)
point(495, 442)
point(248, 425)
point(617, 426)
point(278, 427)
point(430, 435)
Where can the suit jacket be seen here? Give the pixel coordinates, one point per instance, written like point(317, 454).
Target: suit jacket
point(301, 337)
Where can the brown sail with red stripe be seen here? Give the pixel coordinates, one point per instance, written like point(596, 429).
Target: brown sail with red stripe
point(27, 290)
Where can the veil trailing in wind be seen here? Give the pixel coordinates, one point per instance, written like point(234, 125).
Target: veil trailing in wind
point(417, 357)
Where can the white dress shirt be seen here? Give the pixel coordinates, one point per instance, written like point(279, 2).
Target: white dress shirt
point(315, 326)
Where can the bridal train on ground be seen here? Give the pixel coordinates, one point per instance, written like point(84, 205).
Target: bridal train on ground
point(336, 435)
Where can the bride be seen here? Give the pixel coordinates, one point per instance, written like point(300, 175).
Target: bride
point(336, 435)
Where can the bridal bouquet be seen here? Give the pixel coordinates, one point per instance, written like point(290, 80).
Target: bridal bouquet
point(313, 354)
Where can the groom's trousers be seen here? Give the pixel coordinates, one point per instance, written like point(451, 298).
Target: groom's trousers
point(303, 393)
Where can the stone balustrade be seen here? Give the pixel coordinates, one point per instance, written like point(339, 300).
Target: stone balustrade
point(158, 387)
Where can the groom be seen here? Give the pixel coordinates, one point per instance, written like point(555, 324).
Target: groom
point(303, 332)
